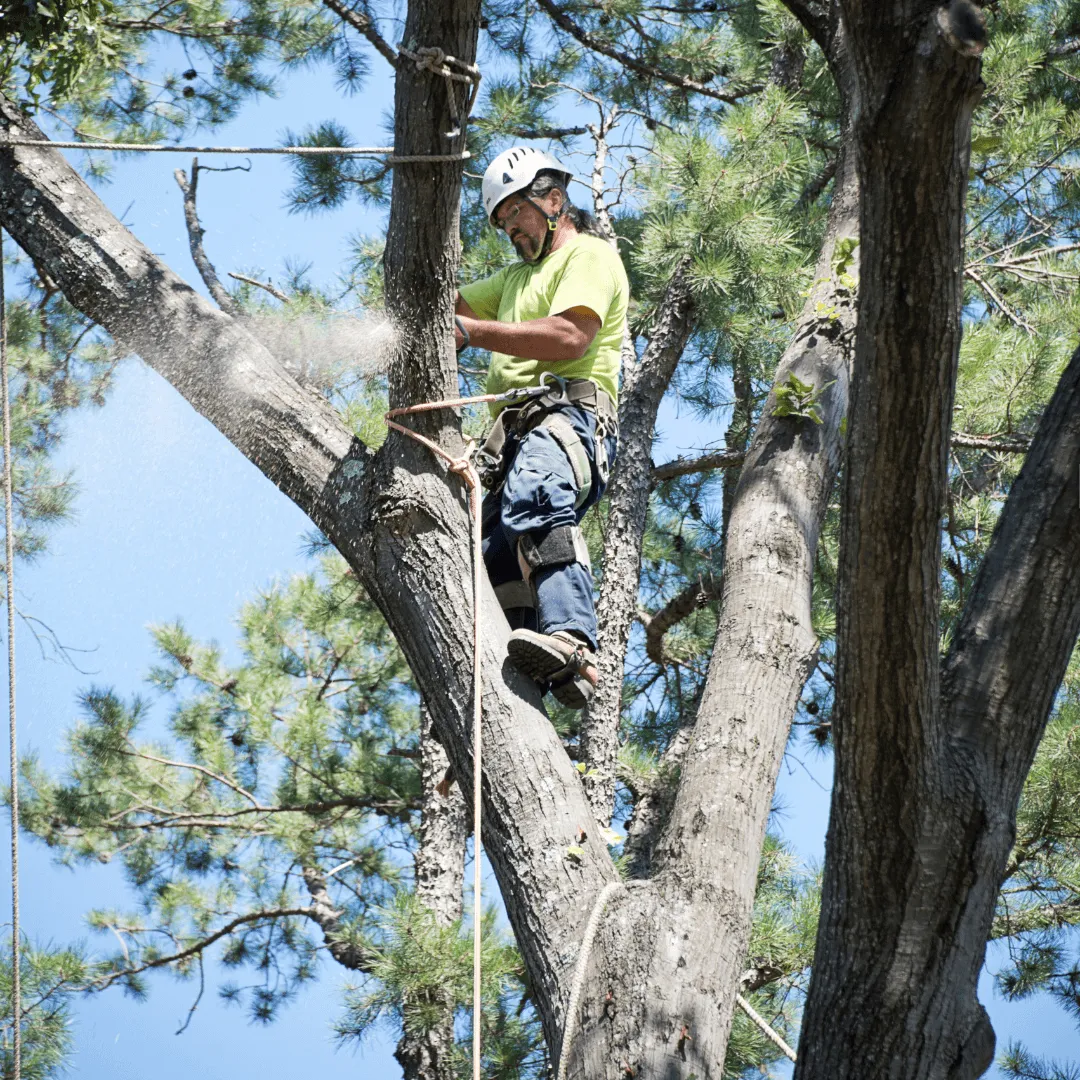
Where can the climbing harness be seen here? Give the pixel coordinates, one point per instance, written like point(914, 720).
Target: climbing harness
point(540, 409)
point(9, 568)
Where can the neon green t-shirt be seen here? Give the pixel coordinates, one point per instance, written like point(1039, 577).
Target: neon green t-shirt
point(584, 272)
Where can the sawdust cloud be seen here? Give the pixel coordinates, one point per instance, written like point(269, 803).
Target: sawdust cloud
point(326, 349)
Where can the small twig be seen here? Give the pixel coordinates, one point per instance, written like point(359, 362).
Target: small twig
point(365, 25)
point(195, 1004)
point(590, 41)
point(277, 294)
point(997, 301)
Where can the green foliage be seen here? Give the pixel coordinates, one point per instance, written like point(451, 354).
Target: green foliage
point(422, 972)
point(278, 764)
point(48, 977)
point(58, 363)
point(1023, 1065)
point(799, 399)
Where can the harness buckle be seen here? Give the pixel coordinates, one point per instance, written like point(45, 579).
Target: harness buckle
point(545, 387)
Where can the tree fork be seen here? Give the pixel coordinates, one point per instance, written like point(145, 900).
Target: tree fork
point(397, 520)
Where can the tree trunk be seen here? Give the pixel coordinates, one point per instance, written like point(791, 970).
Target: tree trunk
point(440, 871)
point(396, 516)
point(643, 388)
point(688, 939)
point(901, 836)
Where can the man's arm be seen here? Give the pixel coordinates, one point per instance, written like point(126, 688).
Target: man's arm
point(566, 336)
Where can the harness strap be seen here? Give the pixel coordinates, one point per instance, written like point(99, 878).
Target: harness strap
point(562, 431)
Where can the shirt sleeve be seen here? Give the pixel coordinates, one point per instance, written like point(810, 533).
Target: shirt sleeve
point(485, 295)
point(588, 281)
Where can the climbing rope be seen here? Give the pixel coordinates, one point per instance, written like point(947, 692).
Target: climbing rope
point(463, 467)
point(9, 567)
point(762, 1023)
point(576, 986)
point(433, 59)
point(569, 1029)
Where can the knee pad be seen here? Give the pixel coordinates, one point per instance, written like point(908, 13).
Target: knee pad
point(557, 547)
point(515, 594)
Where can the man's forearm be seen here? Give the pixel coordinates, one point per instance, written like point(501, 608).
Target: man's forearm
point(551, 339)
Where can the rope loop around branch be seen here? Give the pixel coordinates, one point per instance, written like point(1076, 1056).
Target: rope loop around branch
point(432, 58)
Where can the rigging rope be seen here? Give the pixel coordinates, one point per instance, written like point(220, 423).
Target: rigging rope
point(300, 151)
point(9, 568)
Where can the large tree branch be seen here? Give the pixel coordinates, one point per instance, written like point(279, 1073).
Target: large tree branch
point(706, 858)
point(632, 63)
point(201, 945)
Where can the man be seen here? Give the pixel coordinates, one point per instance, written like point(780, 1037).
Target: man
point(556, 320)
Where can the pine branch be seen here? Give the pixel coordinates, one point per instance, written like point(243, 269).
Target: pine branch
point(328, 918)
point(365, 25)
point(724, 459)
point(1002, 444)
point(812, 15)
point(590, 41)
point(195, 233)
point(721, 459)
point(199, 946)
point(277, 294)
point(696, 595)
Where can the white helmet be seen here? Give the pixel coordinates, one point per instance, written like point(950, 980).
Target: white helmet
point(514, 170)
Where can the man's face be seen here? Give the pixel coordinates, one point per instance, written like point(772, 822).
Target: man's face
point(525, 224)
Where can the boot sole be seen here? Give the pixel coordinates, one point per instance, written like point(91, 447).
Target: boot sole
point(534, 657)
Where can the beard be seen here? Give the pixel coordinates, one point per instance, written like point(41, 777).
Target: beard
point(526, 247)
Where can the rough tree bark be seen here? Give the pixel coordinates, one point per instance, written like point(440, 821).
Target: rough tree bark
point(440, 869)
point(644, 384)
point(396, 516)
point(928, 771)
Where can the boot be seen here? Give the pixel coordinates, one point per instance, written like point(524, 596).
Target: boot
point(561, 662)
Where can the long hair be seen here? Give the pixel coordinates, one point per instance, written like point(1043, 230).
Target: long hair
point(546, 181)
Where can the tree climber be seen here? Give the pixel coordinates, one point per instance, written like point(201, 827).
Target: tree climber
point(554, 321)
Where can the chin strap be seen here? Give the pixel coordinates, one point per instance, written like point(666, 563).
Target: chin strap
point(552, 225)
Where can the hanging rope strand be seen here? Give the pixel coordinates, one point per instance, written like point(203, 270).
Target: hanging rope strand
point(9, 568)
point(463, 467)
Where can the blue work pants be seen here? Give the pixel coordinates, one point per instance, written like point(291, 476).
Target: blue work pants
point(538, 495)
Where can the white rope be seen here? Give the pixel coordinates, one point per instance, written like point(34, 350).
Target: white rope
point(433, 59)
point(9, 568)
point(299, 151)
point(464, 468)
point(764, 1025)
point(569, 1028)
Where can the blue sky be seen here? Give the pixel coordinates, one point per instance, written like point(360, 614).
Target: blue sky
point(173, 522)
